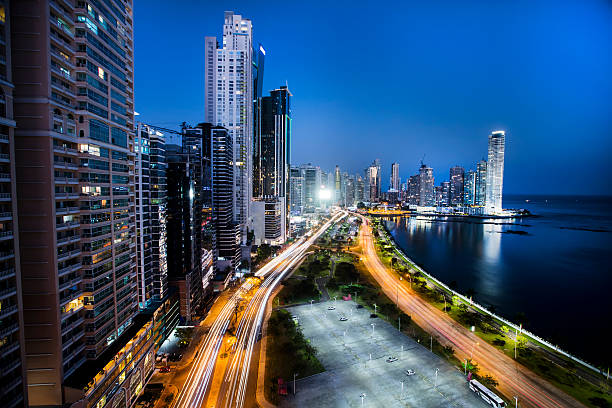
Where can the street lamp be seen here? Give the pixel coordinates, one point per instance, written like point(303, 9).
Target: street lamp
point(294, 375)
point(372, 324)
point(362, 396)
point(436, 380)
point(311, 303)
point(515, 402)
point(375, 308)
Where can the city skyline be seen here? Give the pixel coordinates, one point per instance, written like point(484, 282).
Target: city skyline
point(145, 264)
point(548, 95)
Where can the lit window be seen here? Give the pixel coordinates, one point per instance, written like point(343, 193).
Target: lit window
point(101, 73)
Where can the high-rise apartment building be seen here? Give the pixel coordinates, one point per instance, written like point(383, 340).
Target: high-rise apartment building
point(495, 172)
point(360, 189)
point(349, 190)
point(337, 186)
point(426, 186)
point(373, 181)
point(469, 188)
point(296, 190)
point(456, 177)
point(414, 189)
point(270, 205)
point(395, 181)
point(74, 157)
point(150, 189)
point(13, 388)
point(481, 183)
point(312, 185)
point(229, 103)
point(226, 243)
point(196, 148)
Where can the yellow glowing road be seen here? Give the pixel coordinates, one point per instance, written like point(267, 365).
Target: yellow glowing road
point(232, 390)
point(514, 379)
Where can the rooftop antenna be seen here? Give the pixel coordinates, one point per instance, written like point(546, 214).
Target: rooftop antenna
point(423, 158)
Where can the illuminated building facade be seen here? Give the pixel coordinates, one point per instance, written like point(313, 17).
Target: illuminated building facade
point(12, 351)
point(426, 186)
point(495, 172)
point(74, 153)
point(395, 181)
point(150, 188)
point(469, 189)
point(229, 103)
point(373, 181)
point(480, 187)
point(456, 177)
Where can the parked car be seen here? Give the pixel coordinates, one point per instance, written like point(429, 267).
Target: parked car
point(343, 318)
point(359, 306)
point(331, 308)
point(409, 372)
point(373, 316)
point(391, 359)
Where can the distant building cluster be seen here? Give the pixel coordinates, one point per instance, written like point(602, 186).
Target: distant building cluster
point(475, 192)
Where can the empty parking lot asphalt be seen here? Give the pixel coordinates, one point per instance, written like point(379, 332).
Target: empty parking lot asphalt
point(355, 352)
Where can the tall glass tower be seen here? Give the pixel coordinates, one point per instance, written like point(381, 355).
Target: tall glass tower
point(495, 172)
point(229, 95)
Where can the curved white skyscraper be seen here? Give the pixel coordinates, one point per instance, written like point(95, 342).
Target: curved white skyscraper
point(495, 172)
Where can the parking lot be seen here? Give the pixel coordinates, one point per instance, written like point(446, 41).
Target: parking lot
point(354, 354)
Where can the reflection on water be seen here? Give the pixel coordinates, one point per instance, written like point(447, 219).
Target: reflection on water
point(561, 261)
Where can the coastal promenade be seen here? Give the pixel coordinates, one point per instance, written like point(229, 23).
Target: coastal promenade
point(514, 379)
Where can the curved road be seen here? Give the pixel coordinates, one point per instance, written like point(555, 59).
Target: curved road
point(514, 379)
point(233, 388)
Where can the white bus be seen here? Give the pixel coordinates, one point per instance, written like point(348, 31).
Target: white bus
point(486, 394)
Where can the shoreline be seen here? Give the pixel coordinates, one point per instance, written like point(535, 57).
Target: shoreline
point(483, 310)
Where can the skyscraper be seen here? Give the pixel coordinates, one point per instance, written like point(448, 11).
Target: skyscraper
point(270, 204)
point(360, 189)
point(226, 250)
point(373, 181)
point(395, 177)
point(337, 185)
point(414, 190)
point(296, 190)
point(74, 100)
point(426, 186)
point(13, 390)
point(229, 96)
point(196, 149)
point(469, 189)
point(312, 184)
point(456, 185)
point(495, 172)
point(481, 183)
point(150, 189)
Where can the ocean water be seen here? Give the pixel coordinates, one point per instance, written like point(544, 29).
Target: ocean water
point(555, 276)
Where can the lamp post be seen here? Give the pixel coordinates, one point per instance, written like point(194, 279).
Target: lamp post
point(372, 324)
point(362, 396)
point(294, 375)
point(436, 380)
point(375, 308)
point(515, 402)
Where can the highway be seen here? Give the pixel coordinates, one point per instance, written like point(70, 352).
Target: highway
point(514, 379)
point(232, 389)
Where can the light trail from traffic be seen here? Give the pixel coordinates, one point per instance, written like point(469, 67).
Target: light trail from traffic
point(197, 384)
point(514, 379)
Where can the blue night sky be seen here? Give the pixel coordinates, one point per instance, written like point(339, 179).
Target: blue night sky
point(399, 81)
